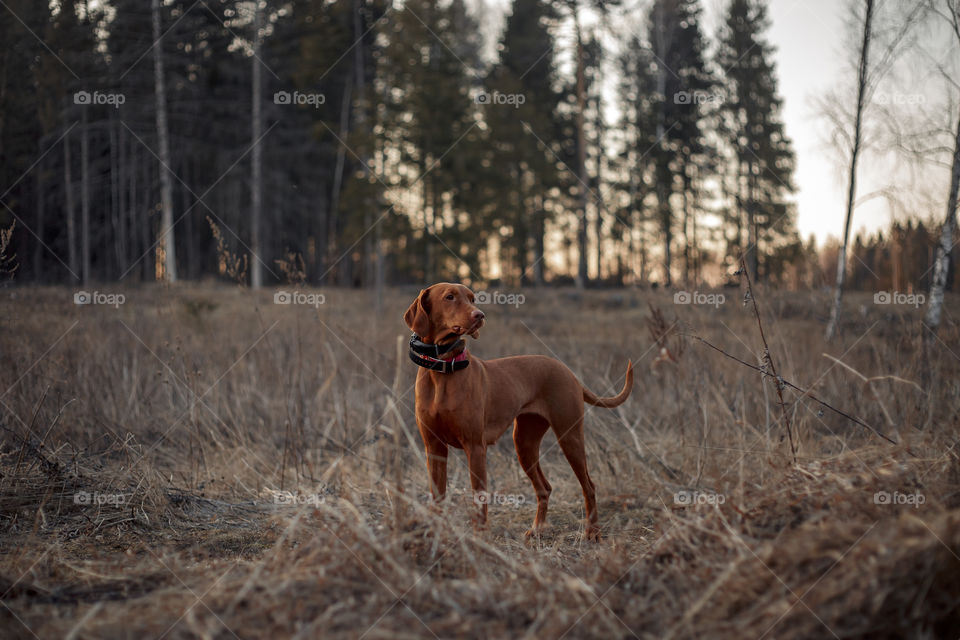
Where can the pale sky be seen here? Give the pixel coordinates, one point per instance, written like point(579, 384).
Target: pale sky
point(808, 36)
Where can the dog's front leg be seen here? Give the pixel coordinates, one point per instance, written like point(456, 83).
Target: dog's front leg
point(437, 468)
point(477, 461)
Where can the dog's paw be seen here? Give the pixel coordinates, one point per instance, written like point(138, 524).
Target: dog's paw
point(593, 534)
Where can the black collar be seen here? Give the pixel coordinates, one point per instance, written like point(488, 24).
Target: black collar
point(429, 355)
point(433, 350)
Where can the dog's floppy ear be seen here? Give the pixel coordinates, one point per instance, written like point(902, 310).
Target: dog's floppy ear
point(417, 316)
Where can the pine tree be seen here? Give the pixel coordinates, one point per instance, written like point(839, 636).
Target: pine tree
point(578, 91)
point(761, 153)
point(519, 132)
point(682, 87)
point(20, 124)
point(131, 74)
point(429, 64)
point(59, 72)
point(55, 81)
point(637, 102)
point(339, 53)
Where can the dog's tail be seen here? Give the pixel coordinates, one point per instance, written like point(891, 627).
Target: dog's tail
point(615, 401)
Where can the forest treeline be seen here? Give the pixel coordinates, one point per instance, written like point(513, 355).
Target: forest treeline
point(364, 142)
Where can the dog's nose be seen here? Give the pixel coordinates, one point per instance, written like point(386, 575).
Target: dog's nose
point(477, 315)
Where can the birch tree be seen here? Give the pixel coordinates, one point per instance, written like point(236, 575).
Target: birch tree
point(256, 156)
point(950, 11)
point(869, 75)
point(833, 325)
point(166, 244)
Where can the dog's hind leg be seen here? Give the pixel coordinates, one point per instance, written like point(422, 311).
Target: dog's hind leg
point(527, 434)
point(570, 439)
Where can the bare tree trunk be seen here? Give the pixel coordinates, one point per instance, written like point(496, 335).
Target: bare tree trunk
point(372, 252)
point(581, 278)
point(521, 234)
point(134, 223)
point(663, 193)
point(695, 249)
point(427, 227)
point(116, 210)
point(334, 219)
point(686, 228)
point(123, 200)
point(598, 209)
point(167, 245)
point(538, 251)
point(378, 273)
point(85, 199)
point(186, 238)
point(145, 223)
point(741, 210)
point(947, 232)
point(642, 239)
point(41, 218)
point(256, 156)
point(632, 210)
point(381, 262)
point(833, 326)
point(72, 256)
point(753, 233)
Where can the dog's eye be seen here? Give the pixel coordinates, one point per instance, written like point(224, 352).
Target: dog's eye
point(449, 296)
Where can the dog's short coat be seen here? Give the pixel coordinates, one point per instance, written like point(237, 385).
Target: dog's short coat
point(471, 408)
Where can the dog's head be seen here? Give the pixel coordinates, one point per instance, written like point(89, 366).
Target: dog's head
point(443, 313)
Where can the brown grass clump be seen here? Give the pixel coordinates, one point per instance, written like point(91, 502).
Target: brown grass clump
point(817, 555)
point(253, 469)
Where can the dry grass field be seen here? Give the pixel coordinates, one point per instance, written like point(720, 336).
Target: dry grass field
point(200, 462)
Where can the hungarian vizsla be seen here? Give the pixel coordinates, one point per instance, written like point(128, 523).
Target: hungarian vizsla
point(467, 403)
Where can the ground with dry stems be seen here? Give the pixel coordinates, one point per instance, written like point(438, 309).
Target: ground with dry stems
point(201, 462)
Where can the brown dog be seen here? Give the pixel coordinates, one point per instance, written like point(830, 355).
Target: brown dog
point(467, 403)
